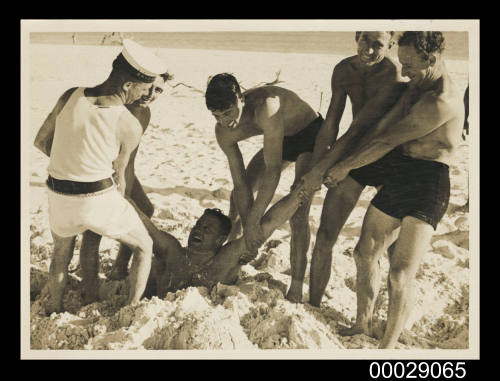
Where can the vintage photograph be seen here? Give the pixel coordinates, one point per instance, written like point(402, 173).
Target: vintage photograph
point(248, 185)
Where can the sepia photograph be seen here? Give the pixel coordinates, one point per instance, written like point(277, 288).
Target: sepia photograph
point(250, 189)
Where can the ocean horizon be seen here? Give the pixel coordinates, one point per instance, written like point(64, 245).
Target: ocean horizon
point(341, 43)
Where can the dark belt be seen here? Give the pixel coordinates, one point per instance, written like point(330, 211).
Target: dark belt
point(78, 187)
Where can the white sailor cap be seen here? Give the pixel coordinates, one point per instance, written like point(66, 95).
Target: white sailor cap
point(140, 61)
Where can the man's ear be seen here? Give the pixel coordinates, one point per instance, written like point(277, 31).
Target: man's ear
point(220, 241)
point(432, 59)
point(127, 85)
point(391, 44)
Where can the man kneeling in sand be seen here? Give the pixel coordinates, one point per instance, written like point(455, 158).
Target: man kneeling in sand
point(289, 126)
point(94, 135)
point(206, 261)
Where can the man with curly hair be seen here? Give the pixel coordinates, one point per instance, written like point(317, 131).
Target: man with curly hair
point(408, 155)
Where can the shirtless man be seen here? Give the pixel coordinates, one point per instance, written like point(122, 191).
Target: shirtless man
point(289, 126)
point(373, 82)
point(94, 136)
point(89, 251)
point(408, 155)
point(206, 261)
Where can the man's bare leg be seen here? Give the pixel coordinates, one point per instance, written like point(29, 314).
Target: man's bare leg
point(413, 242)
point(89, 261)
point(119, 270)
point(338, 205)
point(301, 236)
point(141, 244)
point(58, 272)
point(378, 232)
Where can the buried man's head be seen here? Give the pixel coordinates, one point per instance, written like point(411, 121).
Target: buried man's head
point(210, 231)
point(223, 98)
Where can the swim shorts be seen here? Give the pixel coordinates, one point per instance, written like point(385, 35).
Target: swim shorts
point(410, 187)
point(106, 213)
point(302, 141)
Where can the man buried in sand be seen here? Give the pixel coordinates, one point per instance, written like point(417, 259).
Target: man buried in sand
point(373, 83)
point(289, 126)
point(408, 154)
point(206, 261)
point(94, 136)
point(89, 251)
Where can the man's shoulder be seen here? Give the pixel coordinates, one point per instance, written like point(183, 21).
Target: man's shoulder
point(142, 114)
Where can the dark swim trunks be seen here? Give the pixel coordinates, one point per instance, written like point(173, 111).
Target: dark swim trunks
point(410, 187)
point(302, 141)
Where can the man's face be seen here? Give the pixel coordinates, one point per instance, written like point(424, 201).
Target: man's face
point(373, 47)
point(155, 90)
point(137, 90)
point(206, 233)
point(413, 64)
point(229, 117)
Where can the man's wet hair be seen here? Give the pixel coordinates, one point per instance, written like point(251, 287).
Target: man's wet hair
point(225, 220)
point(222, 91)
point(358, 34)
point(425, 43)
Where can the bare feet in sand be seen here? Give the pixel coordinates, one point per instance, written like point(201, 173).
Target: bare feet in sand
point(354, 330)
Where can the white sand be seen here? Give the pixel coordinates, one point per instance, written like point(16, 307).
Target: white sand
point(183, 172)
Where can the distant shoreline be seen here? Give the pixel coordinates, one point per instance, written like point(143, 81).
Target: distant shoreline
point(338, 43)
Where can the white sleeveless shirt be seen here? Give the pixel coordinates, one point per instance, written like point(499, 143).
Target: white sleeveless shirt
point(85, 142)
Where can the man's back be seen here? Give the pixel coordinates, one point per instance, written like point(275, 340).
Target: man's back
point(85, 142)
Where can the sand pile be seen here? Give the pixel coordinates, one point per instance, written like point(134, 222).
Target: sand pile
point(183, 172)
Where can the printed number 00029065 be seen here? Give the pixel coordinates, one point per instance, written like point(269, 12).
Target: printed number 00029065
point(422, 370)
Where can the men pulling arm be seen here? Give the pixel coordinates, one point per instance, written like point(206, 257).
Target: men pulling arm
point(424, 117)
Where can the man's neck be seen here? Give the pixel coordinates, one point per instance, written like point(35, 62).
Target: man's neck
point(106, 94)
point(433, 80)
point(200, 257)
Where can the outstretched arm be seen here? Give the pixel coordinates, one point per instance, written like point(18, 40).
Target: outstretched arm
point(163, 242)
point(226, 265)
point(424, 117)
point(45, 135)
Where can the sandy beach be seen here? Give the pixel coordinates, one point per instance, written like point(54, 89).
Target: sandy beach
point(183, 172)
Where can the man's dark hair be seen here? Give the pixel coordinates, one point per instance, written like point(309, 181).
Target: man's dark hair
point(222, 92)
point(225, 220)
point(358, 34)
point(424, 43)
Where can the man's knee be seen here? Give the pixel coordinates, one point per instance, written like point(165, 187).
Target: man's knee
point(400, 277)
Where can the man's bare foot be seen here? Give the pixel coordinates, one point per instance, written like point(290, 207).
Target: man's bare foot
point(354, 330)
point(293, 297)
point(117, 273)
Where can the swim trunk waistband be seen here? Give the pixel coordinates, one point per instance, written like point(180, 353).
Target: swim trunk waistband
point(78, 187)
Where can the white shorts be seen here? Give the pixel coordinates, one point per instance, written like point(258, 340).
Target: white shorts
point(106, 213)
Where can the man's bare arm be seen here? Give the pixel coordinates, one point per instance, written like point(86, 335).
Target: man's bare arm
point(45, 135)
point(226, 263)
point(243, 197)
point(271, 123)
point(329, 130)
point(163, 242)
point(361, 126)
point(424, 117)
point(129, 134)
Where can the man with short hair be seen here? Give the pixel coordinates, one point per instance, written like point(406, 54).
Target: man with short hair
point(289, 126)
point(408, 154)
point(93, 137)
point(206, 261)
point(373, 83)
